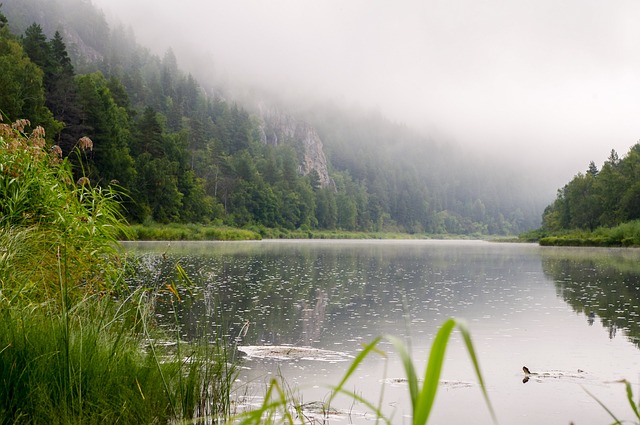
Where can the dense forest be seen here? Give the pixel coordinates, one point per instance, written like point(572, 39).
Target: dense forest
point(183, 152)
point(598, 198)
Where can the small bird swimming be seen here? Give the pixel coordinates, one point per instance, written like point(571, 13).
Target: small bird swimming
point(527, 371)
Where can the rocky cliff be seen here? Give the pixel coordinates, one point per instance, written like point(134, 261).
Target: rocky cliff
point(278, 127)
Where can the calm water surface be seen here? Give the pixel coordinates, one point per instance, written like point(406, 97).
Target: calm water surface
point(574, 313)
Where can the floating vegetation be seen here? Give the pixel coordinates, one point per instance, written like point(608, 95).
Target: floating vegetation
point(287, 352)
point(445, 383)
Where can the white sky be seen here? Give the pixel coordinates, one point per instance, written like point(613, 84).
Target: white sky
point(548, 84)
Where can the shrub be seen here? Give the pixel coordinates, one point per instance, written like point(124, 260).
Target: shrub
point(57, 228)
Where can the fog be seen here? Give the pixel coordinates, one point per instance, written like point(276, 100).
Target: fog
point(546, 85)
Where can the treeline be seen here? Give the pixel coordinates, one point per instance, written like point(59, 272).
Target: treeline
point(179, 154)
point(606, 198)
point(422, 185)
point(183, 153)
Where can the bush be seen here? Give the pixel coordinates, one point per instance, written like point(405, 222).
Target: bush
point(58, 228)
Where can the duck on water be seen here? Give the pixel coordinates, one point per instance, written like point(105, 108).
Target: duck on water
point(552, 374)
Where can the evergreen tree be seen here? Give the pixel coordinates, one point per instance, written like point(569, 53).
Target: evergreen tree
point(37, 48)
point(62, 95)
point(3, 19)
point(22, 91)
point(108, 127)
point(149, 135)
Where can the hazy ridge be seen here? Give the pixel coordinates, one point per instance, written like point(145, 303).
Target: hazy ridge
point(386, 175)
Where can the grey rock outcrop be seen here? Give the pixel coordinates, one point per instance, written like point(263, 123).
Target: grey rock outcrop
point(278, 127)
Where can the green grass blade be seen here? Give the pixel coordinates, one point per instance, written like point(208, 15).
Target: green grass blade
point(617, 421)
point(466, 335)
point(269, 408)
point(354, 365)
point(368, 404)
point(427, 395)
point(409, 370)
point(630, 398)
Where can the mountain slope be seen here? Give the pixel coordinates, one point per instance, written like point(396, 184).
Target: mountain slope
point(211, 160)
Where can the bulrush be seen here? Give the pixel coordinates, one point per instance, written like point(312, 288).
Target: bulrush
point(83, 180)
point(85, 143)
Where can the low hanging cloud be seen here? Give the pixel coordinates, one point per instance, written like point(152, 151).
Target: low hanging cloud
point(548, 85)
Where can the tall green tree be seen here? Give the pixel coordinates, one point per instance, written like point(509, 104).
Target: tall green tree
point(37, 48)
point(62, 95)
point(22, 91)
point(3, 19)
point(108, 126)
point(149, 135)
point(156, 192)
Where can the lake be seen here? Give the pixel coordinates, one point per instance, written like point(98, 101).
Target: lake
point(570, 314)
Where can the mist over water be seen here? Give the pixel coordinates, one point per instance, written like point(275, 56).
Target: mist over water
point(568, 314)
point(540, 85)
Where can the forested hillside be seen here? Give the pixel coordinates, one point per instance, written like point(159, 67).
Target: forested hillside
point(598, 198)
point(184, 153)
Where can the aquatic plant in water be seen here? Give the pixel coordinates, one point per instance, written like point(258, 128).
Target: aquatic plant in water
point(276, 407)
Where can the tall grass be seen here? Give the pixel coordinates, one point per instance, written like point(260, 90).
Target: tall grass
point(92, 369)
point(77, 345)
point(190, 232)
point(54, 218)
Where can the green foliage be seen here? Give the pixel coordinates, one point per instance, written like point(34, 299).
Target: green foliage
point(53, 217)
point(626, 234)
point(22, 93)
point(71, 333)
point(3, 20)
point(108, 124)
point(192, 232)
point(604, 198)
point(422, 392)
point(184, 155)
point(88, 367)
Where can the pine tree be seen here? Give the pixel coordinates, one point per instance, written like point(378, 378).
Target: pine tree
point(3, 19)
point(37, 48)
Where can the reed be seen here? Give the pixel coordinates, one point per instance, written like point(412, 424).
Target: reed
point(277, 405)
point(77, 345)
point(635, 407)
point(88, 367)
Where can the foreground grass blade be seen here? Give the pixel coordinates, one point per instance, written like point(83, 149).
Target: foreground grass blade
point(422, 398)
point(617, 421)
point(409, 370)
point(378, 413)
point(354, 365)
point(466, 335)
point(267, 412)
point(630, 398)
point(424, 402)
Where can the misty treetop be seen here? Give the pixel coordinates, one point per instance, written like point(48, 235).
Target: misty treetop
point(182, 153)
point(598, 198)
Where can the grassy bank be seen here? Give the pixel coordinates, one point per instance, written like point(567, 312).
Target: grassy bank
point(623, 235)
point(77, 344)
point(200, 232)
point(188, 232)
point(100, 364)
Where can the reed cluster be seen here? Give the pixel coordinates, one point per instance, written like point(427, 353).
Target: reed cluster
point(77, 344)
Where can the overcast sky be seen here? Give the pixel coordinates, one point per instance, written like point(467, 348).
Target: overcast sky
point(550, 84)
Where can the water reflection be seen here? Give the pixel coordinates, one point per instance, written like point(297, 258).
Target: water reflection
point(526, 305)
point(599, 283)
point(304, 294)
